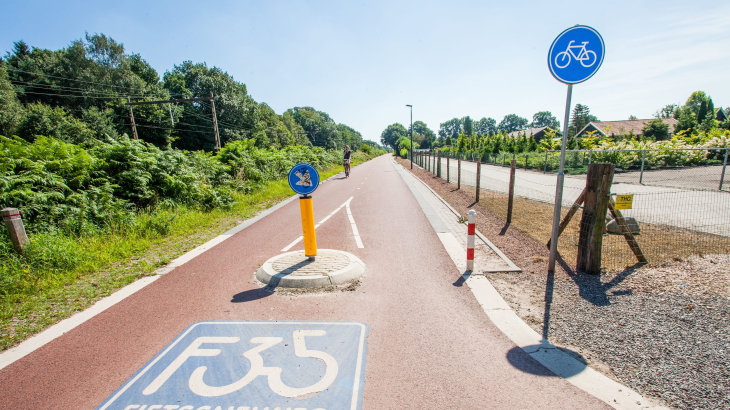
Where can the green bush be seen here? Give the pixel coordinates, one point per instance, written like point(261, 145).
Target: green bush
point(57, 185)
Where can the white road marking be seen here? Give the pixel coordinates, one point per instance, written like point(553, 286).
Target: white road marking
point(296, 241)
point(358, 369)
point(355, 232)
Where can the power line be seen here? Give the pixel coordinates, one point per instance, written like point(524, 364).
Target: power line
point(67, 78)
point(71, 95)
point(64, 88)
point(161, 128)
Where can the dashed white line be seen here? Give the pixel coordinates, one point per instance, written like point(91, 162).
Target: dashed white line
point(355, 232)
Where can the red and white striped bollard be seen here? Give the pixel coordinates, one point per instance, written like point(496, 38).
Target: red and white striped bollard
point(470, 240)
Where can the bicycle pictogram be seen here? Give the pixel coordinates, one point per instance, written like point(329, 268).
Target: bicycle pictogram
point(586, 57)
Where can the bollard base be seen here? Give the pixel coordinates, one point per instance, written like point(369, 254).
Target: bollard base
point(297, 270)
point(311, 257)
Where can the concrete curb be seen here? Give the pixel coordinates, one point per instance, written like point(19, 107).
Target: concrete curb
point(521, 334)
point(513, 267)
point(266, 273)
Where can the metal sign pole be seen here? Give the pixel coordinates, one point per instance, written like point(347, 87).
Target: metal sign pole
point(559, 185)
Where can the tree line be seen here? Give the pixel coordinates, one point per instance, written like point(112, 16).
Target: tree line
point(79, 93)
point(696, 116)
point(452, 129)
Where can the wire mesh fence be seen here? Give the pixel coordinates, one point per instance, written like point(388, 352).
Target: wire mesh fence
point(689, 168)
point(678, 217)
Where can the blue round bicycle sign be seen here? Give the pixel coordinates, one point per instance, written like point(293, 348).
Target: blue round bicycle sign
point(303, 178)
point(576, 54)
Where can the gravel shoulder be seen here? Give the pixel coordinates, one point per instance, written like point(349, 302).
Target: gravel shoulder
point(663, 330)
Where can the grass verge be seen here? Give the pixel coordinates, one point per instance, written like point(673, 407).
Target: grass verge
point(69, 274)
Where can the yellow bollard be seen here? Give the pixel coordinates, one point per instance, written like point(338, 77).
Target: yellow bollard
point(310, 238)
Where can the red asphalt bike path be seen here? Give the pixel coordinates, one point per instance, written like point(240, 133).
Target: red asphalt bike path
point(430, 343)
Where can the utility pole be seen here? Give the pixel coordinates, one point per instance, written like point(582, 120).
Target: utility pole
point(131, 118)
point(212, 103)
point(409, 105)
point(215, 122)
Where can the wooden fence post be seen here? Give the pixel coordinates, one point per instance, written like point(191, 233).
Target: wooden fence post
point(447, 168)
point(510, 202)
point(438, 165)
point(458, 171)
point(479, 175)
point(16, 230)
point(593, 221)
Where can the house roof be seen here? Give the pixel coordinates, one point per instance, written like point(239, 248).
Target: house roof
point(528, 132)
point(625, 127)
point(720, 114)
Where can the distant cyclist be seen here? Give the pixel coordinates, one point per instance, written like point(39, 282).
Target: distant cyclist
point(346, 161)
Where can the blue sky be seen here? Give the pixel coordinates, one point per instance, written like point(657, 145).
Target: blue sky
point(362, 62)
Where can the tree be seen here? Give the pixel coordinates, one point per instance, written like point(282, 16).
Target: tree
point(372, 144)
point(428, 136)
point(239, 116)
point(451, 128)
point(666, 112)
point(468, 125)
point(11, 111)
point(686, 121)
point(581, 116)
point(41, 119)
point(709, 121)
point(702, 112)
point(319, 126)
point(545, 119)
point(512, 122)
point(403, 146)
point(390, 136)
point(143, 70)
point(92, 72)
point(695, 101)
point(632, 117)
point(350, 136)
point(656, 129)
point(573, 143)
point(486, 126)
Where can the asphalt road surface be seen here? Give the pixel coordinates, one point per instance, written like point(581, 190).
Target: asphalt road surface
point(430, 344)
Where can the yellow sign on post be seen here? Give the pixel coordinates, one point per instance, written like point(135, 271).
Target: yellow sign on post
point(624, 201)
point(304, 179)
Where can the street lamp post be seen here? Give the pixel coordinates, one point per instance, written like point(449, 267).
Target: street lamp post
point(409, 105)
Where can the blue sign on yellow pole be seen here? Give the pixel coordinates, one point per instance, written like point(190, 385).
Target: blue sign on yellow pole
point(304, 179)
